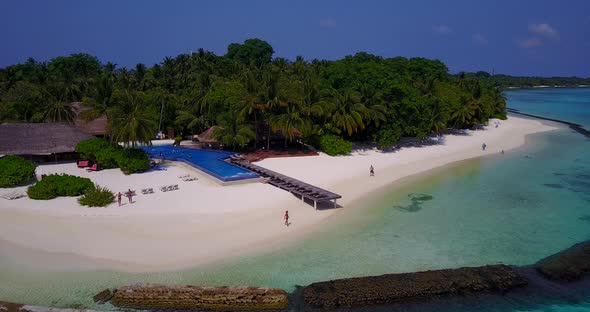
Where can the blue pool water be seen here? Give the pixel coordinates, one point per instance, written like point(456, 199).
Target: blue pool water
point(211, 162)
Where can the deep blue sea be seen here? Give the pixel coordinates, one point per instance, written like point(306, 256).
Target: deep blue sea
point(515, 208)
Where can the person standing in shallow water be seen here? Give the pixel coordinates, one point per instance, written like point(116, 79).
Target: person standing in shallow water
point(286, 217)
point(371, 171)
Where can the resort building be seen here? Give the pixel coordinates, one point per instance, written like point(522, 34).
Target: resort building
point(41, 142)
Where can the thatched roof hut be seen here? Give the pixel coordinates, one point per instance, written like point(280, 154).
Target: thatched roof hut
point(96, 126)
point(207, 135)
point(39, 138)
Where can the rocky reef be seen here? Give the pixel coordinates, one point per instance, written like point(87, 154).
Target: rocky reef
point(150, 296)
point(389, 288)
point(568, 265)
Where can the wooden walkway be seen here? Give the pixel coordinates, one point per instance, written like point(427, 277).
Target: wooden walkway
point(300, 188)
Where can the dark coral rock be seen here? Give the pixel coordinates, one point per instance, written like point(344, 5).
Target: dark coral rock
point(392, 288)
point(568, 265)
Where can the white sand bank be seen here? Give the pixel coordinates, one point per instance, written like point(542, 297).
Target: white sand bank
point(204, 222)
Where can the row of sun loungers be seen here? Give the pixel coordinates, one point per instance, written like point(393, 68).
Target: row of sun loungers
point(168, 188)
point(13, 195)
point(146, 191)
point(187, 178)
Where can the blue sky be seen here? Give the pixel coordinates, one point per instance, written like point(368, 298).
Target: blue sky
point(519, 37)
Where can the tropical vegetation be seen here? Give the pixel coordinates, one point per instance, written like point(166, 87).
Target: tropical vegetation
point(505, 81)
point(129, 160)
point(97, 196)
point(55, 185)
point(15, 170)
point(255, 99)
point(334, 145)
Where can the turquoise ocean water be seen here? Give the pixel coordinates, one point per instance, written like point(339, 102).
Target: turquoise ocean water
point(514, 208)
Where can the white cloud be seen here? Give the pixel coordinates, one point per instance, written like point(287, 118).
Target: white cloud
point(328, 23)
point(530, 43)
point(479, 39)
point(544, 30)
point(441, 29)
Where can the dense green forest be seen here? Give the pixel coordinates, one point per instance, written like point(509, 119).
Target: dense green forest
point(253, 97)
point(505, 81)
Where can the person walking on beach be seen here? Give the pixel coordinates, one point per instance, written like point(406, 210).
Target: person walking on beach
point(119, 198)
point(371, 171)
point(286, 217)
point(130, 196)
point(483, 146)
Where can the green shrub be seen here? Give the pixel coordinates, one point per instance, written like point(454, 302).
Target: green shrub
point(388, 137)
point(501, 116)
point(15, 170)
point(107, 157)
point(133, 160)
point(56, 185)
point(90, 147)
point(334, 145)
point(97, 196)
point(177, 140)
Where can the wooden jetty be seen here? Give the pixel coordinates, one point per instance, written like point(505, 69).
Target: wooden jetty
point(297, 187)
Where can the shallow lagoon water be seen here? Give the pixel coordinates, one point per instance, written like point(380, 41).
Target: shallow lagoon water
point(514, 208)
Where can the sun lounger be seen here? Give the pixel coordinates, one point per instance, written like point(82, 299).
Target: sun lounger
point(13, 195)
point(164, 188)
point(150, 190)
point(184, 176)
point(93, 168)
point(175, 187)
point(83, 163)
point(145, 191)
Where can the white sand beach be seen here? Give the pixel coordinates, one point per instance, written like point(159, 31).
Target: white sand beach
point(204, 222)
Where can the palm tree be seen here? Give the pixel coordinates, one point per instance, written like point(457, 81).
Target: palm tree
point(190, 116)
point(232, 130)
point(465, 114)
point(348, 112)
point(132, 121)
point(438, 118)
point(102, 101)
point(249, 103)
point(376, 112)
point(287, 121)
point(272, 97)
point(314, 103)
point(59, 111)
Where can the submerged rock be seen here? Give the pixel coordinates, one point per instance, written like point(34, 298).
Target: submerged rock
point(390, 288)
point(568, 265)
point(104, 296)
point(144, 296)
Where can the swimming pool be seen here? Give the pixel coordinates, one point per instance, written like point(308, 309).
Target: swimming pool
point(208, 161)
